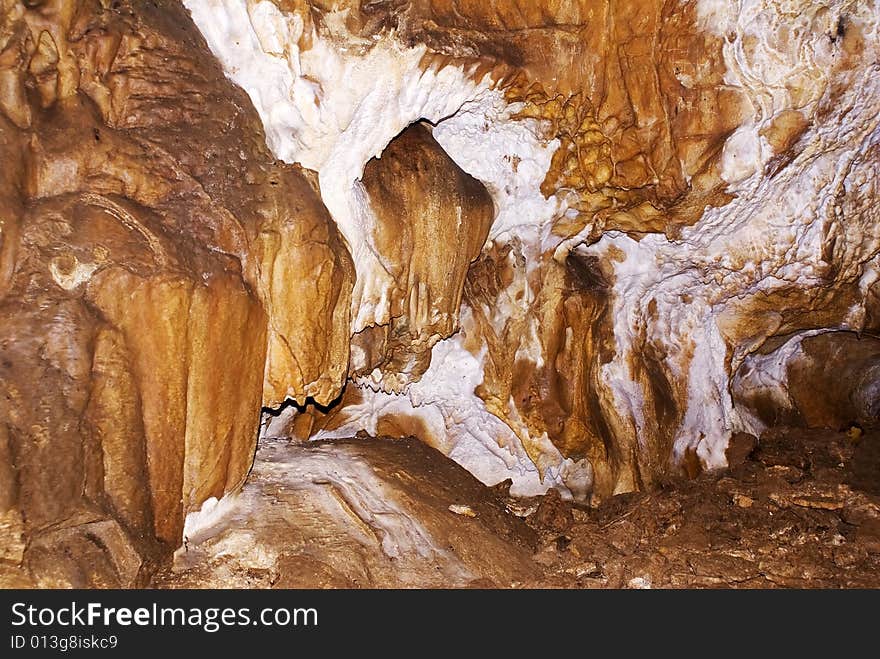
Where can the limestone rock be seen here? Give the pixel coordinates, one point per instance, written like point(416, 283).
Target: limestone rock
point(739, 449)
point(818, 380)
point(578, 245)
point(674, 184)
point(370, 513)
point(88, 554)
point(553, 513)
point(146, 235)
point(431, 222)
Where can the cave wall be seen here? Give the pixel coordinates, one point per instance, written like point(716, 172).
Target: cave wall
point(674, 184)
point(149, 242)
point(814, 379)
point(541, 236)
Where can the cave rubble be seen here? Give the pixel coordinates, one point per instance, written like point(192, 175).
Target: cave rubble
point(800, 510)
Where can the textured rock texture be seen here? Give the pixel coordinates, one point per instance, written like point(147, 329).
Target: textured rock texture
point(674, 183)
point(814, 379)
point(801, 510)
point(354, 514)
point(577, 245)
point(147, 239)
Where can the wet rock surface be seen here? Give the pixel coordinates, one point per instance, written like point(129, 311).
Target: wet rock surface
point(146, 236)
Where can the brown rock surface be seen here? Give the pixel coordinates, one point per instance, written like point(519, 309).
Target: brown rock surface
point(582, 245)
point(633, 89)
point(553, 513)
point(354, 514)
point(146, 234)
point(432, 221)
point(332, 514)
point(817, 531)
point(683, 217)
point(829, 380)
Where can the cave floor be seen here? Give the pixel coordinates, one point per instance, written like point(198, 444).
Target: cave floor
point(801, 510)
point(355, 513)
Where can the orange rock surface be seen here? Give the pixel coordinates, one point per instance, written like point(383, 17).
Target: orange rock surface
point(548, 238)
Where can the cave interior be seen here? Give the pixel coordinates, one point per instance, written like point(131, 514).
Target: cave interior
point(439, 293)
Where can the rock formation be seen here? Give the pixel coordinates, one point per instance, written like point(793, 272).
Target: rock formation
point(151, 248)
point(578, 245)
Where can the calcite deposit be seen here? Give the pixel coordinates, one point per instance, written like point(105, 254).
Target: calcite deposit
point(578, 245)
point(150, 249)
point(674, 184)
